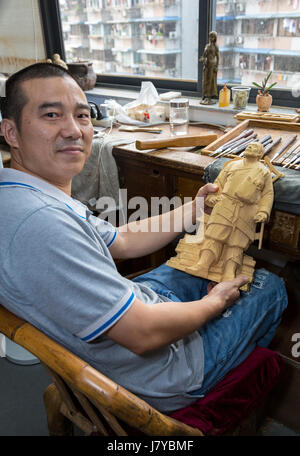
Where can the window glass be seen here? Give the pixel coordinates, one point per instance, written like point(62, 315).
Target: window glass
point(152, 38)
point(255, 37)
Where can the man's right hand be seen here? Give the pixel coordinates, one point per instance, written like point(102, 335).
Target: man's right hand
point(226, 293)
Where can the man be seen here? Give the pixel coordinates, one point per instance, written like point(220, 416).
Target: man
point(57, 269)
point(245, 197)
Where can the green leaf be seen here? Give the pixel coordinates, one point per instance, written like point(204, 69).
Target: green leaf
point(268, 77)
point(257, 85)
point(270, 87)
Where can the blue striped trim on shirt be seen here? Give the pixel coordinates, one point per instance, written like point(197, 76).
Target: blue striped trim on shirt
point(109, 322)
point(113, 238)
point(20, 184)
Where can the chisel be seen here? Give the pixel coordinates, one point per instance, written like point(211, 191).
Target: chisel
point(284, 147)
point(270, 146)
point(232, 149)
point(232, 141)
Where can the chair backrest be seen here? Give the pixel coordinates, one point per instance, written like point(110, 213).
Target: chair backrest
point(90, 387)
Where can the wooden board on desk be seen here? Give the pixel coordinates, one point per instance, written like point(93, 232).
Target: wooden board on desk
point(262, 128)
point(272, 116)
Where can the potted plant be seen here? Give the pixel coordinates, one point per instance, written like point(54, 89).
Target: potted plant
point(264, 98)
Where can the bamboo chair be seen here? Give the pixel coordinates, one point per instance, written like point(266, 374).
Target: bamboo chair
point(80, 395)
point(83, 396)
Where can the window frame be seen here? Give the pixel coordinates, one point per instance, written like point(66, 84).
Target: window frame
point(53, 38)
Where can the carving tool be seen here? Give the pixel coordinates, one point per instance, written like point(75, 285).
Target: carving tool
point(270, 146)
point(230, 143)
point(290, 155)
point(264, 141)
point(243, 146)
point(294, 160)
point(284, 147)
point(179, 141)
point(231, 149)
point(297, 160)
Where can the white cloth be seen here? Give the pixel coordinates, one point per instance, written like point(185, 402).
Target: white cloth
point(99, 176)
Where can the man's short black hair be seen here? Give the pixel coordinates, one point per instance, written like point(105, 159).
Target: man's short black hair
point(15, 99)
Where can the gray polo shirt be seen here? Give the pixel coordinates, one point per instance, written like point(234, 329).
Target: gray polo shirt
point(57, 273)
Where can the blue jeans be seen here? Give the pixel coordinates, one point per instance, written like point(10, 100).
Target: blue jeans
point(229, 338)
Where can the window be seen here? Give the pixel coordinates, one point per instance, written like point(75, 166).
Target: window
point(261, 36)
point(156, 36)
point(162, 40)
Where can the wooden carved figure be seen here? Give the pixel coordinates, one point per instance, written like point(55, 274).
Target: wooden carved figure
point(210, 59)
point(244, 198)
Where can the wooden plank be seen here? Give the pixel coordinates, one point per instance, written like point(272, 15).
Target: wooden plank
point(281, 117)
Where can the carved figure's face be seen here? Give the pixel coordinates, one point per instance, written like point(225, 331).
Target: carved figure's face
point(254, 150)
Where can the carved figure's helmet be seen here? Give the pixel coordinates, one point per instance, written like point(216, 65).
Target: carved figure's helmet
point(254, 149)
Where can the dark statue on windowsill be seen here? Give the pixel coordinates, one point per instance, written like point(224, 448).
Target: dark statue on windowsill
point(210, 59)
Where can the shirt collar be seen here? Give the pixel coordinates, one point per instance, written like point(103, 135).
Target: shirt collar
point(13, 177)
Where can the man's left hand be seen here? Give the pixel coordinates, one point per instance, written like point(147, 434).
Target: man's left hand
point(203, 192)
point(206, 190)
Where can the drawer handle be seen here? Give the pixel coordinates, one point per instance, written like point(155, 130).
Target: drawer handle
point(155, 172)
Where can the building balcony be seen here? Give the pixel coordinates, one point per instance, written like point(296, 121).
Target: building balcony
point(132, 13)
point(106, 15)
point(151, 66)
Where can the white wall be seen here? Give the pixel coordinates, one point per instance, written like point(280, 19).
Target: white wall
point(21, 39)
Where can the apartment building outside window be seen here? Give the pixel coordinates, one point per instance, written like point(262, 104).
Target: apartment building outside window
point(162, 40)
point(262, 36)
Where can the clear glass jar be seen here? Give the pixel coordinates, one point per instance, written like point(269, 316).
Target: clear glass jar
point(240, 96)
point(179, 116)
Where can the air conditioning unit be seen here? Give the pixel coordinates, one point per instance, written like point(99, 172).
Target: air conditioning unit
point(239, 39)
point(172, 34)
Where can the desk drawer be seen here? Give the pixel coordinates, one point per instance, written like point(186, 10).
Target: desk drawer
point(145, 181)
point(186, 187)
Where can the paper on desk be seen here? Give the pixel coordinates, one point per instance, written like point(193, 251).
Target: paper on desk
point(148, 96)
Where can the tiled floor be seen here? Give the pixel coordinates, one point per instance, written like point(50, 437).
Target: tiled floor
point(22, 409)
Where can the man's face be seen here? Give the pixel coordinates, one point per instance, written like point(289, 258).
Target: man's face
point(56, 132)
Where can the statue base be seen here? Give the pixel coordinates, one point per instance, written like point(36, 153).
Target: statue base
point(208, 101)
point(188, 252)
